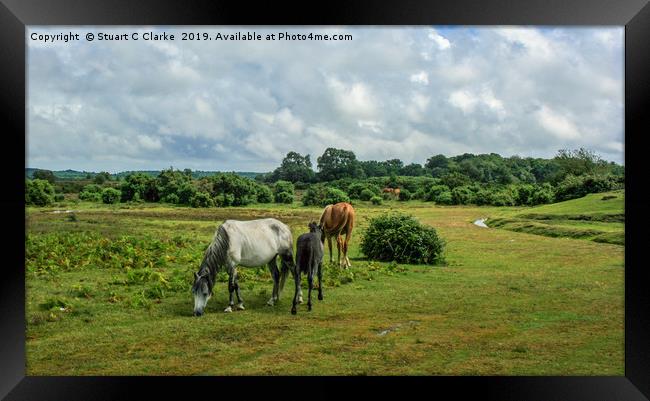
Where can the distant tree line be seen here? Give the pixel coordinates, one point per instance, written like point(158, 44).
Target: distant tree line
point(485, 179)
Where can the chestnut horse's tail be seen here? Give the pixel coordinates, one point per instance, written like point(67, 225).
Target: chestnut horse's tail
point(322, 216)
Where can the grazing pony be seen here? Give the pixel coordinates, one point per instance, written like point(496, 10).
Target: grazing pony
point(246, 243)
point(335, 220)
point(309, 259)
point(394, 191)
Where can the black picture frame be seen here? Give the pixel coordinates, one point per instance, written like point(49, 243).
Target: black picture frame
point(15, 15)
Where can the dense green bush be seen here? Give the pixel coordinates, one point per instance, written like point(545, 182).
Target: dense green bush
point(366, 194)
point(401, 238)
point(201, 199)
point(283, 192)
point(543, 194)
point(38, 192)
point(90, 196)
point(463, 195)
point(59, 197)
point(185, 192)
point(321, 195)
point(111, 195)
point(283, 197)
point(242, 190)
point(444, 198)
point(139, 186)
point(376, 200)
point(170, 198)
point(434, 191)
point(264, 194)
point(578, 186)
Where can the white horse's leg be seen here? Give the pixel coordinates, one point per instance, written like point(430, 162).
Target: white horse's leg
point(232, 275)
point(275, 273)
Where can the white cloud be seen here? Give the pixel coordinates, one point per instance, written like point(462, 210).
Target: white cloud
point(442, 42)
point(556, 123)
point(421, 78)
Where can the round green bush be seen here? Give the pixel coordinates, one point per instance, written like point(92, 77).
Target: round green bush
point(321, 195)
point(201, 199)
point(283, 197)
point(90, 196)
point(366, 194)
point(39, 192)
point(111, 195)
point(376, 200)
point(171, 198)
point(59, 197)
point(264, 194)
point(444, 198)
point(401, 238)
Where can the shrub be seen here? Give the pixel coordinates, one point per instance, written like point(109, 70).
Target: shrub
point(264, 194)
point(462, 195)
point(59, 197)
point(355, 189)
point(366, 194)
point(90, 196)
point(224, 200)
point(543, 194)
point(185, 193)
point(38, 192)
point(401, 238)
point(434, 191)
point(502, 198)
point(201, 199)
point(444, 198)
point(283, 197)
point(320, 195)
point(573, 187)
point(111, 195)
point(236, 190)
point(376, 200)
point(283, 186)
point(170, 198)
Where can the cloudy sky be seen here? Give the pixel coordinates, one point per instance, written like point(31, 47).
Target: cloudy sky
point(401, 92)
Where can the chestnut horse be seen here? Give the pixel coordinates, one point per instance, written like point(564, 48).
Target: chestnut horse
point(336, 220)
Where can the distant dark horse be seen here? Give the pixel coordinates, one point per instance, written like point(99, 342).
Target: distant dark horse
point(336, 220)
point(244, 243)
point(309, 259)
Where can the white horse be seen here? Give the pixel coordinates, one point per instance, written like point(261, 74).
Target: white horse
point(244, 243)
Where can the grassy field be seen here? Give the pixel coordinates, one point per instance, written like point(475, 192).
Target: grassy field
point(595, 217)
point(108, 293)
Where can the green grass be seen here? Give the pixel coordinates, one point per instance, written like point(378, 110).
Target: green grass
point(595, 217)
point(506, 303)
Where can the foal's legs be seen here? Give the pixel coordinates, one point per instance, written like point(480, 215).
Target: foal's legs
point(310, 280)
point(320, 281)
point(273, 267)
point(296, 279)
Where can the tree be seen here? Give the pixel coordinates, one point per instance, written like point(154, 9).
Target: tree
point(111, 195)
point(294, 168)
point(102, 177)
point(46, 175)
point(413, 169)
point(335, 164)
point(578, 162)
